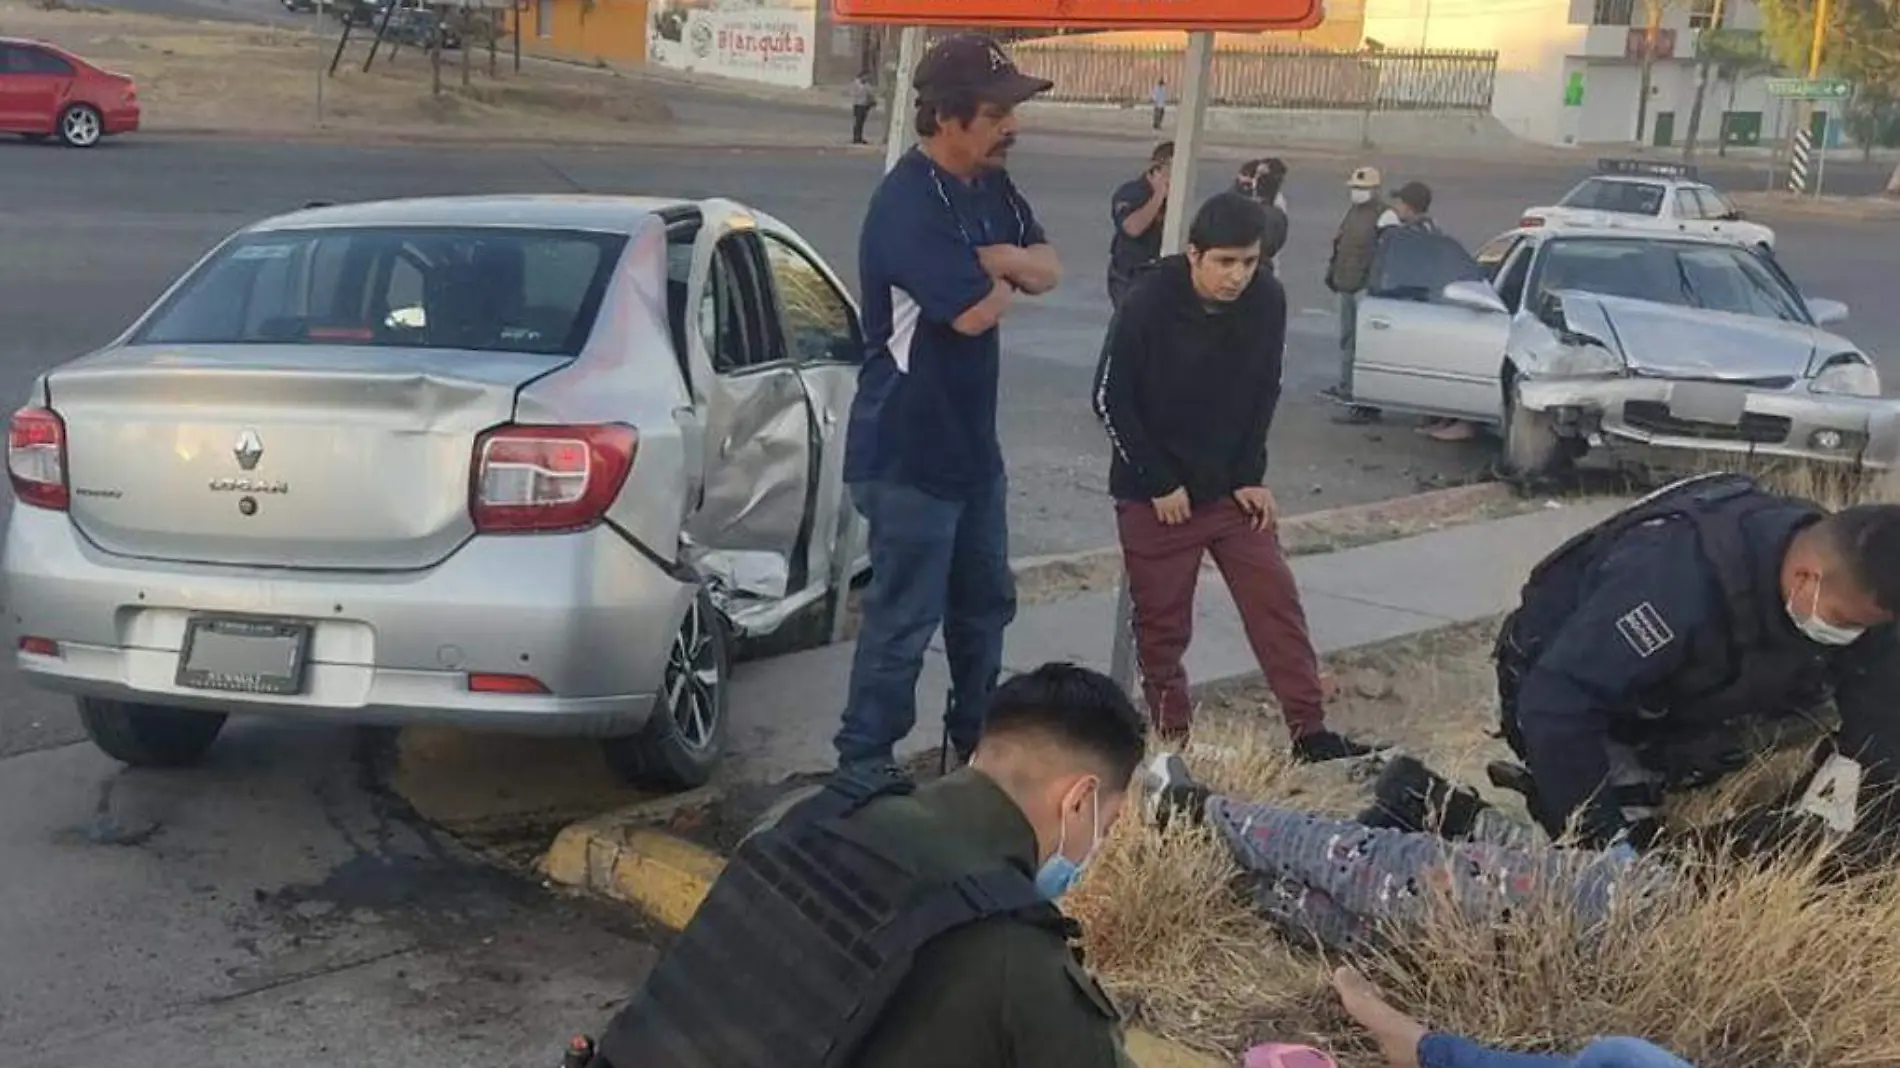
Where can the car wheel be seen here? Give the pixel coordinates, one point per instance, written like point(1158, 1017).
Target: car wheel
point(686, 734)
point(149, 736)
point(80, 126)
point(1532, 449)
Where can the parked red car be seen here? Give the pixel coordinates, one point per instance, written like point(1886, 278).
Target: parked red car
point(48, 92)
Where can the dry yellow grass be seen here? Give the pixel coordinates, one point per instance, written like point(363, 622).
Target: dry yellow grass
point(1750, 966)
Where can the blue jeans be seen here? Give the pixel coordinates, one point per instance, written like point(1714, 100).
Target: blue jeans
point(933, 562)
point(1451, 1051)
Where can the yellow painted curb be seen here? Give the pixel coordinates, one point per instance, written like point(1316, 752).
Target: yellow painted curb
point(663, 876)
point(667, 877)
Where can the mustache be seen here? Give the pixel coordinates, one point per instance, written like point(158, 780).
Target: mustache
point(1007, 143)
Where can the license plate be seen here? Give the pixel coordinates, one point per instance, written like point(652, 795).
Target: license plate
point(264, 656)
point(1708, 402)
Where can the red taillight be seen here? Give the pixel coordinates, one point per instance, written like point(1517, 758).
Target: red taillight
point(544, 479)
point(36, 458)
point(515, 684)
point(1531, 220)
point(39, 646)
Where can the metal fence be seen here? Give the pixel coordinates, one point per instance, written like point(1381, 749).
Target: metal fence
point(1435, 80)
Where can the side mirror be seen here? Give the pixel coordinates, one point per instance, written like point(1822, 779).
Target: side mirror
point(1476, 296)
point(1735, 216)
point(1826, 311)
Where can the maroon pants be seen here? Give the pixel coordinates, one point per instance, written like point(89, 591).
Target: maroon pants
point(1163, 564)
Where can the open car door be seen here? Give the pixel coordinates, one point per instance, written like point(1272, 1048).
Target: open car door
point(1431, 330)
point(748, 532)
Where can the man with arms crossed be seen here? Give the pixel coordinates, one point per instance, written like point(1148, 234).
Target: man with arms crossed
point(948, 243)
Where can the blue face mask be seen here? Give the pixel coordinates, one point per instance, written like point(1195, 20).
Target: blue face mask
point(1059, 874)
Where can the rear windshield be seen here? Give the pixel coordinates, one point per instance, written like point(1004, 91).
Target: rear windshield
point(487, 289)
point(1631, 198)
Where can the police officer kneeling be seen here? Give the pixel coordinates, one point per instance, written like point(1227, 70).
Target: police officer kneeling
point(1643, 648)
point(879, 926)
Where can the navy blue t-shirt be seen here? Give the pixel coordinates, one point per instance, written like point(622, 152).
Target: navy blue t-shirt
point(925, 413)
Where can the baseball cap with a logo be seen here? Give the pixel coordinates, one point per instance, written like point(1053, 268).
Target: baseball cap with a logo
point(974, 64)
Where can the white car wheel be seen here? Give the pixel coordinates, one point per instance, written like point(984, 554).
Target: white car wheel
point(1532, 448)
point(80, 126)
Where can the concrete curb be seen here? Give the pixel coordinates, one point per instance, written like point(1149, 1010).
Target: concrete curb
point(1450, 505)
point(1845, 209)
point(511, 142)
point(667, 877)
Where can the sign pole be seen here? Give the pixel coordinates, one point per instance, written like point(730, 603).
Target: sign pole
point(910, 51)
point(1820, 152)
point(1190, 124)
point(316, 30)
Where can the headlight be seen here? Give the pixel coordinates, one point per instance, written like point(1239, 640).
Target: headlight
point(1580, 359)
point(1849, 374)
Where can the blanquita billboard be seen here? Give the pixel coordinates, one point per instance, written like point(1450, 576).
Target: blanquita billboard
point(771, 44)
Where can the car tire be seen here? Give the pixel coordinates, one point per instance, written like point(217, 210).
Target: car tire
point(81, 126)
point(1530, 449)
point(149, 736)
point(685, 736)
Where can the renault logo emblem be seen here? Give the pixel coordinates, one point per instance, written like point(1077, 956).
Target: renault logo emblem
point(249, 450)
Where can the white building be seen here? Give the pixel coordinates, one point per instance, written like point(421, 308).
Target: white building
point(1568, 72)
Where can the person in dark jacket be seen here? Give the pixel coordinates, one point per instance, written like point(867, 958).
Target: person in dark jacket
point(1639, 648)
point(1139, 210)
point(1187, 387)
point(949, 889)
point(1347, 275)
point(1262, 179)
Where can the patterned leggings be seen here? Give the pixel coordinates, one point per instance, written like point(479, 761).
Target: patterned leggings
point(1348, 885)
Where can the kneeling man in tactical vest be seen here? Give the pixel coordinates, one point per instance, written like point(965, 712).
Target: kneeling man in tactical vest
point(876, 925)
point(1646, 648)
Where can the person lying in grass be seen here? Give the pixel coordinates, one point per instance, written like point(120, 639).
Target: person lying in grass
point(1351, 884)
point(1407, 1043)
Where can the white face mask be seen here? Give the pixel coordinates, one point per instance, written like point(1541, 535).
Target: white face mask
point(1362, 196)
point(1818, 629)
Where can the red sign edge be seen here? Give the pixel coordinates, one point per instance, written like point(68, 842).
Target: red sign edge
point(1315, 15)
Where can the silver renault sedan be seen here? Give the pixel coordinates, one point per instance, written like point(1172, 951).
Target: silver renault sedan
point(530, 463)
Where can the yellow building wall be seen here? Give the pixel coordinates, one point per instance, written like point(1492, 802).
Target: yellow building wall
point(586, 30)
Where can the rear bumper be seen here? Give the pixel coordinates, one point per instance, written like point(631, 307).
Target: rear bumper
point(1787, 424)
point(122, 120)
point(587, 614)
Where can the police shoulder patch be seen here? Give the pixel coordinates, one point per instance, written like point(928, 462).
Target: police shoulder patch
point(1645, 630)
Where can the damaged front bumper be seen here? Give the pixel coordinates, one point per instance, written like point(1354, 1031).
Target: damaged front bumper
point(1722, 417)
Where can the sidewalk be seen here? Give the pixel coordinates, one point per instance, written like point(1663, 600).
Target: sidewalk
point(785, 709)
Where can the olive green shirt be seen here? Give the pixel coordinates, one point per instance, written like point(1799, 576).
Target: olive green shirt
point(996, 994)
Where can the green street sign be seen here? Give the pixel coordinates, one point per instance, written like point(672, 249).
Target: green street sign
point(1810, 88)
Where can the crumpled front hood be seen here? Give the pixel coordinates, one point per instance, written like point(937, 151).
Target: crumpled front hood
point(1670, 341)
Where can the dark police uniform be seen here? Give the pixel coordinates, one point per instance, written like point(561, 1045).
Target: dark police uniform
point(871, 929)
point(1642, 646)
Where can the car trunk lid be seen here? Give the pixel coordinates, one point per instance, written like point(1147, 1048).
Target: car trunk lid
point(281, 456)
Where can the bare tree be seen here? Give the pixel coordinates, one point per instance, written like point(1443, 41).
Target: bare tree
point(1705, 66)
point(1653, 12)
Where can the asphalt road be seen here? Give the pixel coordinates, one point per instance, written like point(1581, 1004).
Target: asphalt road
point(276, 906)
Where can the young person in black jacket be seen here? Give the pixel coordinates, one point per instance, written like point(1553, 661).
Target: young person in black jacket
point(1186, 389)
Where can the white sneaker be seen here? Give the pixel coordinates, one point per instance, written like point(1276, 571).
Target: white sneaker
point(1165, 772)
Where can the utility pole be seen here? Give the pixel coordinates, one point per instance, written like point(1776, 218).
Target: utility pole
point(1814, 71)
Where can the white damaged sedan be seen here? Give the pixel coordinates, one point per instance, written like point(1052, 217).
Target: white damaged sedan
point(1621, 345)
